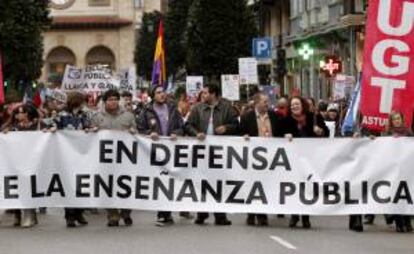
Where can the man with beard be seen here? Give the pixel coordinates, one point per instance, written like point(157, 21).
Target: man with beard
point(160, 118)
point(214, 116)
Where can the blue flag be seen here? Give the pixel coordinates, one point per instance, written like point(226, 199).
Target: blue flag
point(350, 120)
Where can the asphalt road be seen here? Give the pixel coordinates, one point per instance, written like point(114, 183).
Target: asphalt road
point(328, 235)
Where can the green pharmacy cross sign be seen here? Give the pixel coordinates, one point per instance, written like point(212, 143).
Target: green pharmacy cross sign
point(306, 51)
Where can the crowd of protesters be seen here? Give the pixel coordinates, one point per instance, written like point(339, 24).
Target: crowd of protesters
point(163, 115)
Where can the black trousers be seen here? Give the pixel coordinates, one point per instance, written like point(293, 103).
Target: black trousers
point(402, 220)
point(163, 214)
point(355, 221)
point(297, 217)
point(73, 213)
point(259, 216)
point(217, 216)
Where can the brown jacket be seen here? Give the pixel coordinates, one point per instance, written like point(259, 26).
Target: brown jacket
point(223, 114)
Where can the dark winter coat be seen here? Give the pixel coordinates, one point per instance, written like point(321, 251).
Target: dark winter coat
point(223, 114)
point(290, 125)
point(248, 124)
point(148, 121)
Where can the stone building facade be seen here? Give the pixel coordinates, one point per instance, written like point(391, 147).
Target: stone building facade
point(330, 27)
point(87, 32)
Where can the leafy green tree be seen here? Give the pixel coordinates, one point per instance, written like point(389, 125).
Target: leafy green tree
point(145, 44)
point(218, 33)
point(21, 42)
point(176, 21)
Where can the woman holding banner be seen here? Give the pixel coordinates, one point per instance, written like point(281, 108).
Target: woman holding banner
point(397, 128)
point(302, 123)
point(24, 118)
point(73, 118)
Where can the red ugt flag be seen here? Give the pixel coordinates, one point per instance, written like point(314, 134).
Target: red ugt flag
point(388, 69)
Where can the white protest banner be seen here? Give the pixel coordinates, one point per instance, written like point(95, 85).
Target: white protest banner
point(343, 87)
point(193, 85)
point(112, 169)
point(93, 78)
point(248, 71)
point(230, 87)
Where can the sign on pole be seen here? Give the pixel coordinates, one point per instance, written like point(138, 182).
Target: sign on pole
point(194, 84)
point(127, 79)
point(343, 86)
point(272, 92)
point(230, 87)
point(93, 78)
point(248, 71)
point(262, 48)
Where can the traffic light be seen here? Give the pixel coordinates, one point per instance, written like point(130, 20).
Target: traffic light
point(281, 62)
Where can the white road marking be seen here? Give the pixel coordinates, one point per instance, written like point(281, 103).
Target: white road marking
point(282, 242)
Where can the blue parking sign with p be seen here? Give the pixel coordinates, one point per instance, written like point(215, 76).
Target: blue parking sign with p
point(262, 47)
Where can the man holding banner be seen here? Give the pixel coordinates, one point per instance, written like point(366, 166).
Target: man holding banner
point(113, 117)
point(214, 117)
point(260, 122)
point(160, 118)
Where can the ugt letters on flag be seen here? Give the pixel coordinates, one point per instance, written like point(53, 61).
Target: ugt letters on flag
point(388, 69)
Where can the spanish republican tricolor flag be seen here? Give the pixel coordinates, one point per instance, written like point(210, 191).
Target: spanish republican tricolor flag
point(159, 73)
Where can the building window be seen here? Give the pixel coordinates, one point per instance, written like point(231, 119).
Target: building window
point(312, 4)
point(56, 62)
point(301, 5)
point(101, 55)
point(95, 3)
point(294, 8)
point(360, 6)
point(138, 4)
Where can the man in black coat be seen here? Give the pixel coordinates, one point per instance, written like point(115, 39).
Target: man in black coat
point(161, 119)
point(260, 122)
